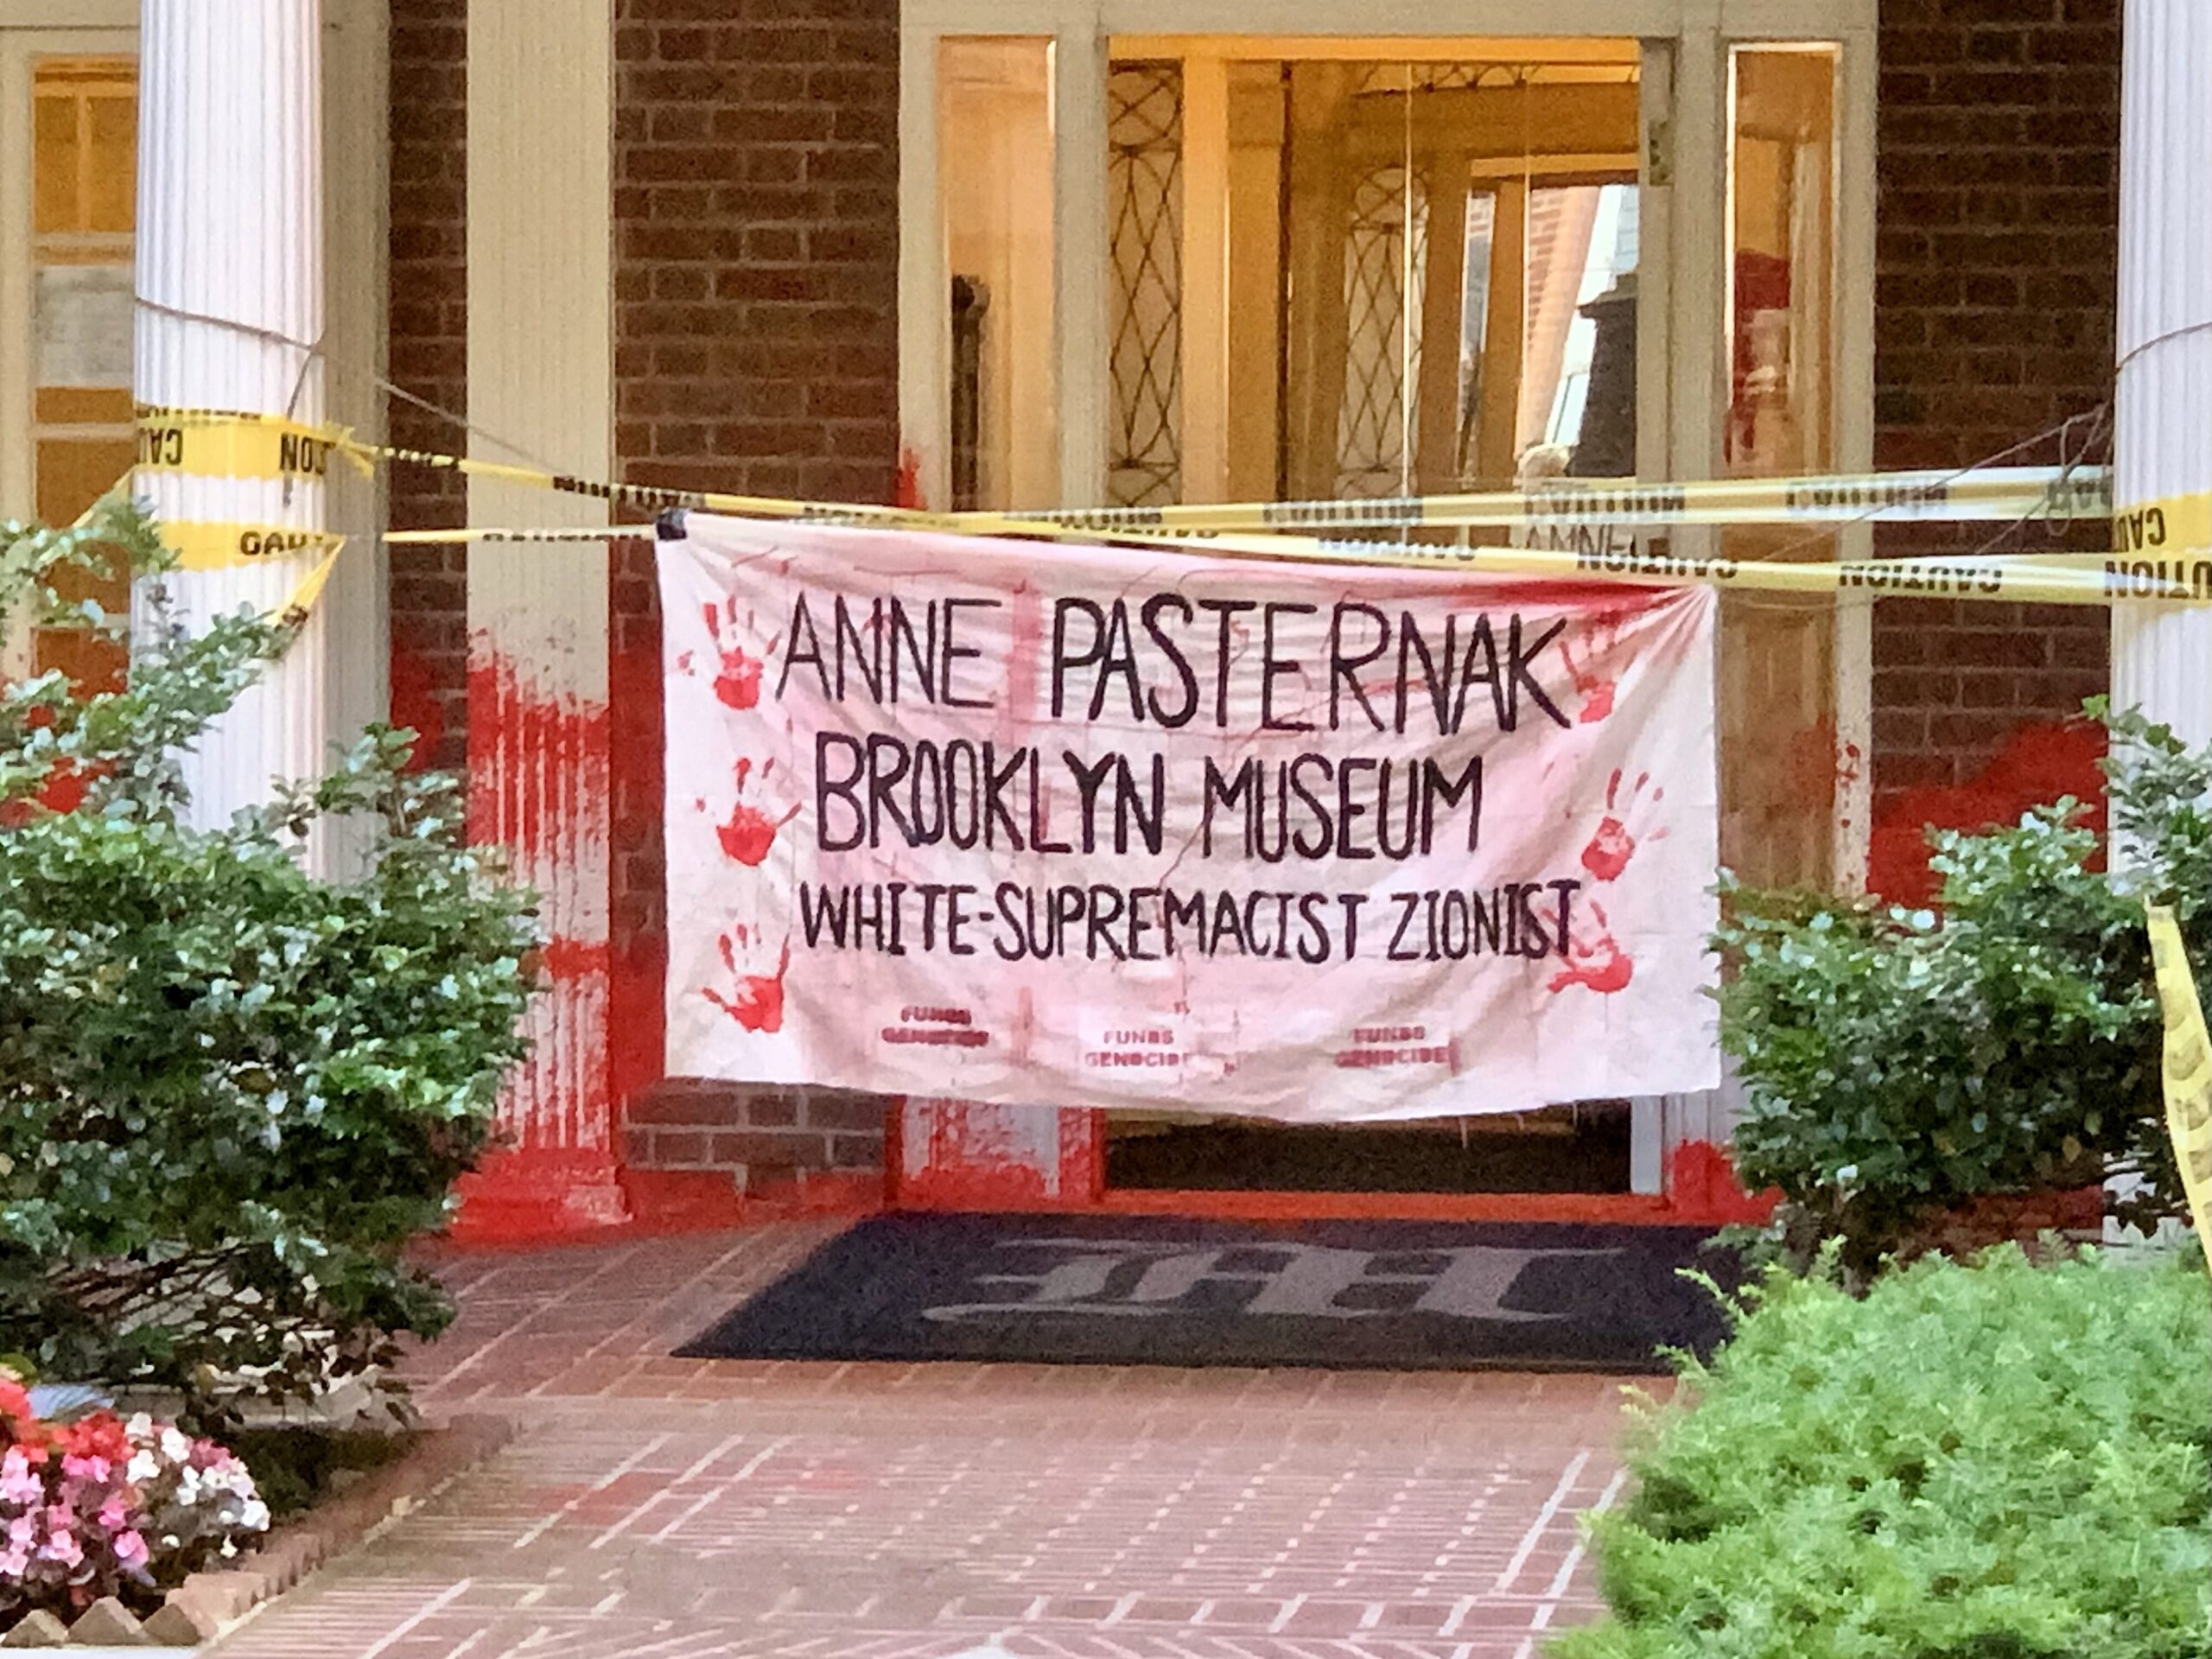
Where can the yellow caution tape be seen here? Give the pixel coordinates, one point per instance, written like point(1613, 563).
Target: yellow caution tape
point(1998, 493)
point(305, 596)
point(2188, 1075)
point(2018, 581)
point(2152, 529)
point(269, 447)
point(204, 546)
point(1994, 494)
point(1563, 508)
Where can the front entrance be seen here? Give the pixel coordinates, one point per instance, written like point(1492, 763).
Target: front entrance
point(1298, 265)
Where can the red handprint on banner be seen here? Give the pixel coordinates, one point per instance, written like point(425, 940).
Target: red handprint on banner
point(757, 1003)
point(1618, 835)
point(748, 832)
point(737, 670)
point(1595, 687)
point(1596, 964)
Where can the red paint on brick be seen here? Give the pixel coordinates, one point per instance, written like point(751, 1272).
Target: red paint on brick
point(2039, 765)
point(427, 266)
point(1993, 323)
point(415, 704)
point(637, 1013)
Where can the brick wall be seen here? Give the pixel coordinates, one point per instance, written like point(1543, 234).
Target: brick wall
point(756, 179)
point(1998, 133)
point(429, 254)
point(762, 1136)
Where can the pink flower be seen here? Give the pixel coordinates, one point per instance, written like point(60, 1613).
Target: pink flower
point(14, 1564)
point(131, 1550)
point(19, 1486)
point(113, 1514)
point(93, 1469)
point(63, 1546)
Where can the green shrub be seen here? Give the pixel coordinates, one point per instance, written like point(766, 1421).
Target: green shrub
point(1993, 1462)
point(1898, 1063)
point(230, 1091)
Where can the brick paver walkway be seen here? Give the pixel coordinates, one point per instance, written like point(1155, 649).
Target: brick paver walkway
point(670, 1509)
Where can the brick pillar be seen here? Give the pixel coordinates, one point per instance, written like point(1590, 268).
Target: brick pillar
point(1998, 132)
point(756, 180)
point(429, 289)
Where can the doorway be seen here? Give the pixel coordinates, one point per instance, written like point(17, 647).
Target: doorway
point(1307, 264)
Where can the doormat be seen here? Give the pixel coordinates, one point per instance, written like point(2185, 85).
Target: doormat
point(1169, 1290)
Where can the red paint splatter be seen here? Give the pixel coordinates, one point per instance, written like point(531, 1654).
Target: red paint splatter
point(1820, 768)
point(539, 786)
point(758, 1004)
point(1599, 965)
point(2039, 765)
point(565, 958)
point(908, 490)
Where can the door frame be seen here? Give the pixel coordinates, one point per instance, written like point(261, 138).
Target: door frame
point(1682, 333)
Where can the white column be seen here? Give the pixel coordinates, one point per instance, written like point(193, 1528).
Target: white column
point(541, 391)
point(229, 226)
point(2162, 658)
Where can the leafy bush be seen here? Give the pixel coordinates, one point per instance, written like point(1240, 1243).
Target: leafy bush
point(1898, 1063)
point(101, 1507)
point(230, 1091)
point(1993, 1462)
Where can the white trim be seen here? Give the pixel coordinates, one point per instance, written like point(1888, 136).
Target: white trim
point(1852, 650)
point(97, 15)
point(925, 275)
point(1081, 302)
point(356, 112)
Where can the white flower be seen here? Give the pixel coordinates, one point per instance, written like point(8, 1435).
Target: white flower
point(175, 1444)
point(141, 1468)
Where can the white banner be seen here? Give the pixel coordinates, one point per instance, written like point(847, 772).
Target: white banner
point(1104, 827)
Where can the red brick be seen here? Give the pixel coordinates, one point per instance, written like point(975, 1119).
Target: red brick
point(1997, 140)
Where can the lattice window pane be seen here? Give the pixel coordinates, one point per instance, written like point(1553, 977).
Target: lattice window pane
point(1144, 185)
point(1376, 425)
